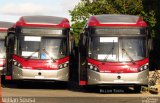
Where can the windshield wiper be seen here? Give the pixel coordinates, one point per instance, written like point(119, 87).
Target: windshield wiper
point(33, 54)
point(48, 55)
point(123, 50)
point(111, 51)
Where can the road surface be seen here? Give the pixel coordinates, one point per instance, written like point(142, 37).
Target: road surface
point(53, 93)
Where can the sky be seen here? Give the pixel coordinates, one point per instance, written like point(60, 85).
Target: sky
point(12, 10)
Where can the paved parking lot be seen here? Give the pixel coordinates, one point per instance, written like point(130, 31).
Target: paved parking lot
point(49, 93)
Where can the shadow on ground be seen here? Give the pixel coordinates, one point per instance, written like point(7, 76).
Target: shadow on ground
point(33, 84)
point(111, 89)
point(64, 85)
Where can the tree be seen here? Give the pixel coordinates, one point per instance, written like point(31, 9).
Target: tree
point(79, 17)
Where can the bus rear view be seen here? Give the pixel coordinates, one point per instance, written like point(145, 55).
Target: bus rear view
point(116, 52)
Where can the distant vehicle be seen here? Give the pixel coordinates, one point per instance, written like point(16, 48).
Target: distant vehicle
point(3, 32)
point(38, 49)
point(113, 50)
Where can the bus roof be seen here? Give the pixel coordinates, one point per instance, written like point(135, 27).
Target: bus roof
point(43, 21)
point(5, 25)
point(115, 20)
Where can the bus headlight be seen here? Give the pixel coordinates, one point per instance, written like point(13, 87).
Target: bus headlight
point(92, 67)
point(15, 63)
point(64, 65)
point(144, 67)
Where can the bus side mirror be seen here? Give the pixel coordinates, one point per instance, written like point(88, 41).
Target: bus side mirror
point(9, 37)
point(150, 44)
point(148, 32)
point(80, 42)
point(150, 40)
point(72, 43)
point(6, 41)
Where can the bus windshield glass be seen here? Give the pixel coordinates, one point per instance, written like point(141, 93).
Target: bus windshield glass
point(117, 49)
point(37, 47)
point(2, 49)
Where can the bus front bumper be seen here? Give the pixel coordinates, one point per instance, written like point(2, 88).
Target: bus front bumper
point(28, 74)
point(96, 78)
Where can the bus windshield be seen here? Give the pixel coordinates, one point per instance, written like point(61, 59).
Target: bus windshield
point(114, 49)
point(2, 49)
point(42, 47)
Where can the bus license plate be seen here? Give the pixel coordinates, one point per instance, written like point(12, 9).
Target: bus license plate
point(118, 81)
point(39, 77)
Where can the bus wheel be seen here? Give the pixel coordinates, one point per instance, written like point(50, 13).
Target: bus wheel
point(137, 89)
